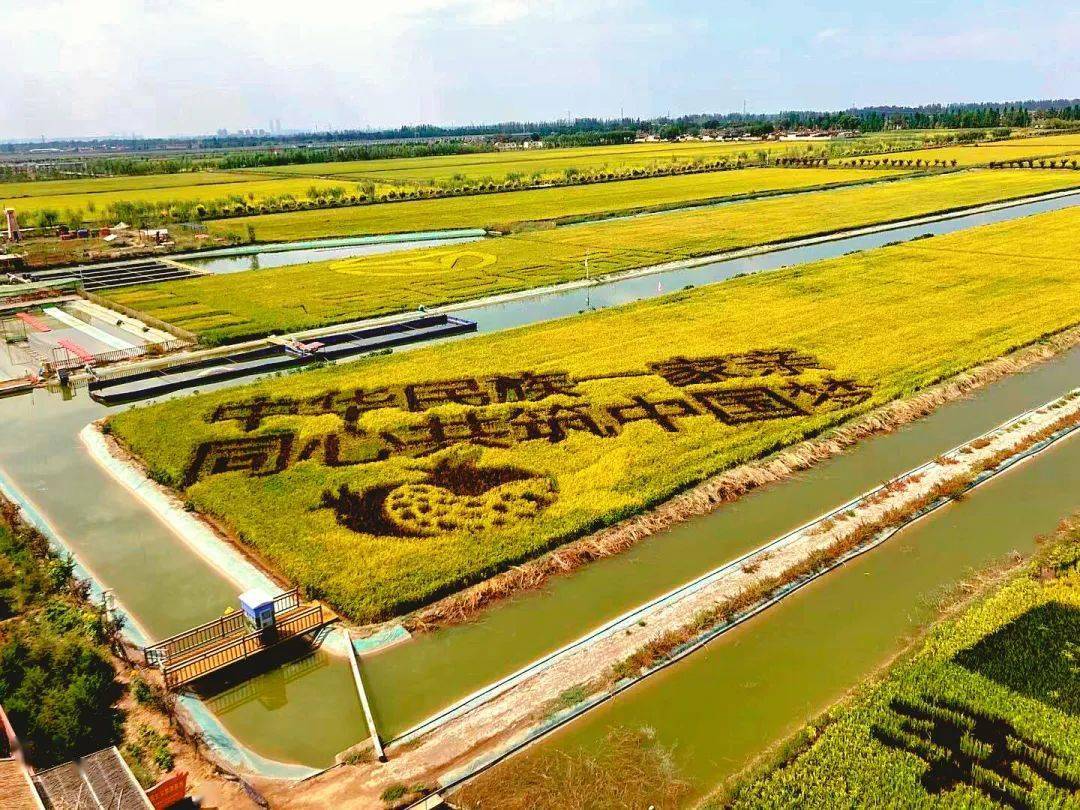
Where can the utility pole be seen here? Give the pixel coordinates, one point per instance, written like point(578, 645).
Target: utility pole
point(588, 285)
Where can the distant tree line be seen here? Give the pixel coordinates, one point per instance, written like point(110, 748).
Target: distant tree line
point(235, 152)
point(276, 156)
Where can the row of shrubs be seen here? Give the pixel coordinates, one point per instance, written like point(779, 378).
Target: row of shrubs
point(866, 163)
point(145, 214)
point(1064, 163)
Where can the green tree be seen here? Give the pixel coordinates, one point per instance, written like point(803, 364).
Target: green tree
point(46, 218)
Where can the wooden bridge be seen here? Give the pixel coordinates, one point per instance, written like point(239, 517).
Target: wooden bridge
point(215, 645)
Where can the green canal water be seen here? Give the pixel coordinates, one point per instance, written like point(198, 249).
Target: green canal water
point(167, 587)
point(726, 704)
point(447, 665)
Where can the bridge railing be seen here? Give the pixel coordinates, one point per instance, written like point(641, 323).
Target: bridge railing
point(237, 650)
point(160, 653)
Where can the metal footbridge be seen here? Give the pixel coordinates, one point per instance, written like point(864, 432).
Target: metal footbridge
point(262, 624)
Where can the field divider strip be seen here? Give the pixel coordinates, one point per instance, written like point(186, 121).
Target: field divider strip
point(492, 691)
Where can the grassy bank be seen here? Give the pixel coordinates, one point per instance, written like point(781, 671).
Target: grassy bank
point(390, 482)
point(628, 769)
point(985, 713)
point(231, 307)
point(508, 208)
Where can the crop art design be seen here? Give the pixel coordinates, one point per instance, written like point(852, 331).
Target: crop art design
point(502, 412)
point(962, 745)
point(455, 496)
point(433, 262)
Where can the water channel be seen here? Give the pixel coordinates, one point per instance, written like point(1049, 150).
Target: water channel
point(167, 587)
point(237, 260)
point(726, 704)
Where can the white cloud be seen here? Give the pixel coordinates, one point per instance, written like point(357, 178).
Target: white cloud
point(160, 67)
point(191, 66)
point(827, 34)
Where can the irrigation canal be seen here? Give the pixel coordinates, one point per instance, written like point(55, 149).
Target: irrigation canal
point(262, 257)
point(167, 587)
point(719, 709)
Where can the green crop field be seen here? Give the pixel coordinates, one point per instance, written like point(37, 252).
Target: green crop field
point(981, 154)
point(93, 185)
point(507, 208)
point(985, 714)
point(238, 305)
point(497, 165)
point(90, 205)
point(382, 484)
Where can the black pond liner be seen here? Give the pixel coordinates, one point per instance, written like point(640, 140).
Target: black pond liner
point(147, 384)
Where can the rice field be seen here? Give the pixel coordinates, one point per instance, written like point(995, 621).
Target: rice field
point(231, 307)
point(91, 205)
point(498, 166)
point(389, 482)
point(93, 185)
point(981, 154)
point(986, 713)
point(544, 162)
point(503, 210)
point(548, 163)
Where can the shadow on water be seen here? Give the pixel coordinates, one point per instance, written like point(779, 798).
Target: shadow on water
point(297, 700)
point(264, 678)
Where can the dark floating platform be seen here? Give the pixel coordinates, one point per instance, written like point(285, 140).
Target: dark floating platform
point(147, 384)
point(95, 277)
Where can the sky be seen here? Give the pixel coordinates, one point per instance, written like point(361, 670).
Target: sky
point(161, 67)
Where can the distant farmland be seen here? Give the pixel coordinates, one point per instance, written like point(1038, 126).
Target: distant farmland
point(508, 208)
point(91, 201)
point(11, 191)
point(498, 165)
point(981, 154)
point(231, 307)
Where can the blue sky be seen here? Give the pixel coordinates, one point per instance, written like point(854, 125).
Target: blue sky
point(157, 67)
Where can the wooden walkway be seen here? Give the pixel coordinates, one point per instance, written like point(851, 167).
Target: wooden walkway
point(215, 645)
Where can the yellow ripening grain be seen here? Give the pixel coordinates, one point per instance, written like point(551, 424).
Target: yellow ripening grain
point(513, 207)
point(230, 307)
point(386, 483)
